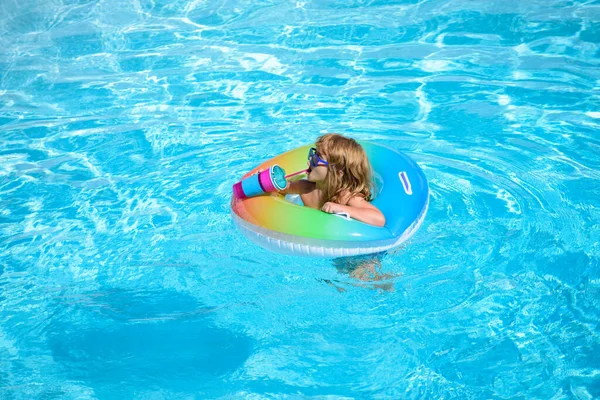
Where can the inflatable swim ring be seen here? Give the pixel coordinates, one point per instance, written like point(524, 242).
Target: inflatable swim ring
point(273, 222)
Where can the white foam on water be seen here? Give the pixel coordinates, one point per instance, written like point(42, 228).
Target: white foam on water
point(511, 203)
point(503, 99)
point(520, 75)
point(439, 40)
point(424, 104)
point(392, 64)
point(261, 61)
point(593, 114)
point(239, 89)
point(197, 62)
point(186, 20)
point(35, 205)
point(522, 49)
point(436, 65)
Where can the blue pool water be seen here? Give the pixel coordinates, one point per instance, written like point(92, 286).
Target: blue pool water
point(124, 124)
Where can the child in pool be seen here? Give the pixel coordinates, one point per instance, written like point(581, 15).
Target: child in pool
point(339, 180)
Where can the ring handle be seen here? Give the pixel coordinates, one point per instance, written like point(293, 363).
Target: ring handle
point(344, 215)
point(405, 182)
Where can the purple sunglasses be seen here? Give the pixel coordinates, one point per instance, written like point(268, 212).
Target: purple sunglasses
point(314, 159)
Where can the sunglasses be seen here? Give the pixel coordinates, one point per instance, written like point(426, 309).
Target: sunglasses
point(314, 159)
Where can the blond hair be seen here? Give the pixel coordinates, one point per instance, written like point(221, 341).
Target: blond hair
point(345, 155)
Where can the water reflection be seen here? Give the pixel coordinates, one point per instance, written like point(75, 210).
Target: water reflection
point(365, 271)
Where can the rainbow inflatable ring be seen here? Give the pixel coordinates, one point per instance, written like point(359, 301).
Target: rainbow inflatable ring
point(277, 224)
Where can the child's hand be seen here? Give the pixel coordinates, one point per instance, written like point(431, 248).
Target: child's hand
point(333, 208)
point(284, 191)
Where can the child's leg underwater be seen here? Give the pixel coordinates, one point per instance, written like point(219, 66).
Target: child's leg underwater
point(366, 269)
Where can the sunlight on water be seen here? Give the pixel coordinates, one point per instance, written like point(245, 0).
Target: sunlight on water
point(124, 125)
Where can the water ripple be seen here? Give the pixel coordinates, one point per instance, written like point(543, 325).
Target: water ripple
point(124, 125)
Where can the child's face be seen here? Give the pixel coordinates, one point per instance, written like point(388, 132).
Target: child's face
point(318, 173)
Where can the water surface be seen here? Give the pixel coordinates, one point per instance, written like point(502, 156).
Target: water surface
point(124, 124)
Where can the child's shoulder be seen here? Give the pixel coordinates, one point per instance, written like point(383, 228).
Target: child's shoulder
point(347, 196)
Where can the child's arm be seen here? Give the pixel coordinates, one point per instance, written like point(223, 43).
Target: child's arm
point(301, 186)
point(359, 209)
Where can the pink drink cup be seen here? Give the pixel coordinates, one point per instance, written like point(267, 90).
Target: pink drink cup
point(267, 181)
